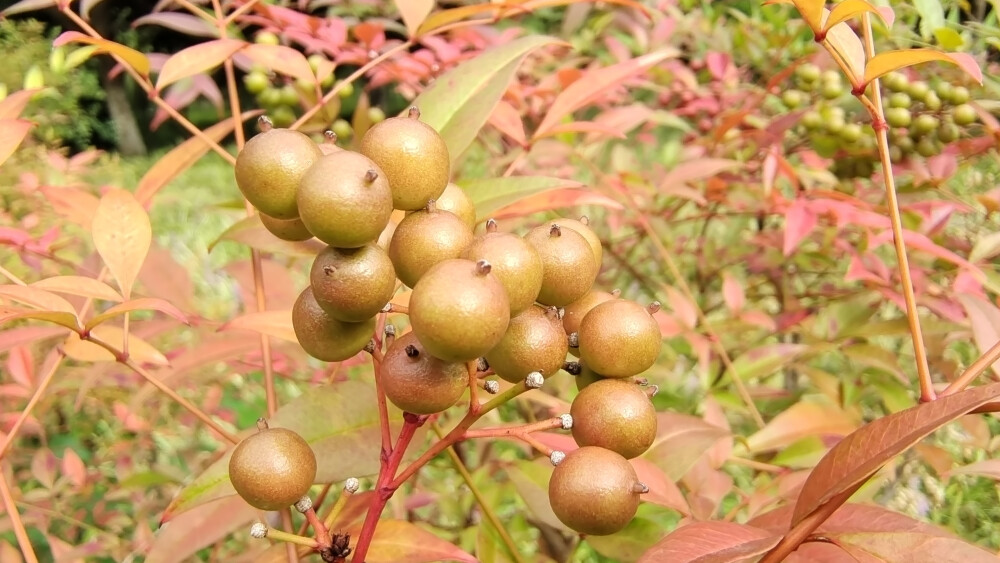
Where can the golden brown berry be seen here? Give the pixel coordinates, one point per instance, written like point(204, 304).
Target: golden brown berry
point(272, 469)
point(619, 338)
point(594, 491)
point(270, 167)
point(352, 284)
point(454, 200)
point(614, 414)
point(324, 337)
point(293, 230)
point(424, 238)
point(419, 383)
point(515, 263)
point(568, 267)
point(534, 341)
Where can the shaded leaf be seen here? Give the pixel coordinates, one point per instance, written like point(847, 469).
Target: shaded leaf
point(849, 9)
point(460, 102)
point(122, 235)
point(662, 491)
point(555, 199)
point(398, 541)
point(492, 194)
point(185, 23)
point(201, 527)
point(845, 42)
point(140, 304)
point(79, 285)
point(272, 323)
point(27, 6)
point(251, 232)
point(802, 420)
point(985, 320)
point(196, 60)
point(73, 468)
point(350, 418)
point(985, 248)
point(414, 12)
point(531, 479)
point(630, 543)
point(681, 439)
point(697, 169)
point(594, 84)
point(75, 205)
point(800, 220)
point(888, 61)
point(732, 293)
point(132, 58)
point(508, 121)
point(12, 134)
point(281, 59)
point(860, 454)
point(139, 350)
point(764, 360)
point(711, 542)
point(445, 17)
point(986, 468)
point(14, 104)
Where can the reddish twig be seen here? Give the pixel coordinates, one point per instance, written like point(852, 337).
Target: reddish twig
point(15, 522)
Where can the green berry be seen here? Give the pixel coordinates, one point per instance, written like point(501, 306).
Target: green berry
point(342, 128)
point(932, 101)
point(376, 115)
point(831, 77)
point(282, 116)
point(895, 154)
point(289, 95)
point(898, 117)
point(270, 97)
point(897, 82)
point(851, 132)
point(266, 38)
point(899, 100)
point(256, 82)
point(315, 60)
point(959, 95)
point(812, 120)
point(927, 147)
point(807, 73)
point(964, 114)
point(949, 132)
point(925, 124)
point(793, 98)
point(944, 90)
point(346, 91)
point(918, 90)
point(832, 90)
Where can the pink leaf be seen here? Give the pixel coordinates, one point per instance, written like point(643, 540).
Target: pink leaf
point(662, 491)
point(732, 292)
point(985, 320)
point(800, 221)
point(199, 527)
point(14, 131)
point(272, 323)
point(554, 199)
point(21, 366)
point(197, 59)
point(399, 541)
point(711, 542)
point(73, 468)
point(697, 169)
point(281, 59)
point(508, 121)
point(184, 23)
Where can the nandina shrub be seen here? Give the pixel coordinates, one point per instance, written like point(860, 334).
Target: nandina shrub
point(781, 314)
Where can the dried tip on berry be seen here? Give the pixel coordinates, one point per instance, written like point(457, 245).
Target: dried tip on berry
point(554, 313)
point(431, 206)
point(640, 488)
point(371, 175)
point(413, 113)
point(390, 330)
point(653, 390)
point(370, 347)
point(483, 267)
point(653, 307)
point(258, 530)
point(329, 137)
point(491, 387)
point(567, 421)
point(351, 485)
point(329, 270)
point(555, 230)
point(304, 504)
point(387, 308)
point(557, 457)
point(573, 368)
point(574, 340)
point(411, 351)
point(534, 380)
point(491, 225)
point(616, 293)
point(262, 424)
point(482, 364)
point(585, 220)
point(265, 124)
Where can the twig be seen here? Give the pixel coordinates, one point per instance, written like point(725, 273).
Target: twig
point(27, 551)
point(973, 371)
point(807, 526)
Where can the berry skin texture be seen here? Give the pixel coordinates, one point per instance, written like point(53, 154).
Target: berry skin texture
point(583, 227)
point(272, 469)
point(619, 339)
point(344, 200)
point(534, 341)
point(324, 337)
point(424, 238)
point(269, 168)
point(459, 310)
point(293, 230)
point(454, 200)
point(593, 491)
point(419, 383)
point(515, 263)
point(414, 157)
point(574, 312)
point(568, 267)
point(352, 284)
point(614, 414)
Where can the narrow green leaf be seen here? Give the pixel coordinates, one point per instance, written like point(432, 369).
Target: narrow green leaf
point(458, 104)
point(931, 16)
point(491, 194)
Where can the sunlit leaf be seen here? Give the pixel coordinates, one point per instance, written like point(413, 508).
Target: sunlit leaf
point(12, 134)
point(132, 58)
point(251, 232)
point(594, 84)
point(491, 194)
point(36, 298)
point(68, 320)
point(27, 6)
point(711, 542)
point(414, 12)
point(888, 61)
point(74, 204)
point(281, 59)
point(912, 546)
point(398, 541)
point(122, 235)
point(984, 317)
point(859, 455)
point(681, 440)
point(346, 444)
point(182, 157)
point(138, 349)
point(15, 103)
point(846, 42)
point(140, 304)
point(197, 59)
point(460, 102)
point(272, 323)
point(801, 420)
point(849, 9)
point(986, 468)
point(199, 528)
point(79, 285)
point(185, 23)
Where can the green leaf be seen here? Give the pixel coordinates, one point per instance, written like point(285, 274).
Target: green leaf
point(531, 479)
point(931, 16)
point(888, 61)
point(949, 39)
point(491, 194)
point(629, 544)
point(765, 360)
point(340, 422)
point(458, 104)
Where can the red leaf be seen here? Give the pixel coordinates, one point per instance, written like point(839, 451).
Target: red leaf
point(21, 366)
point(198, 528)
point(662, 491)
point(197, 59)
point(800, 220)
point(177, 21)
point(697, 169)
point(271, 323)
point(681, 440)
point(985, 320)
point(732, 292)
point(73, 468)
point(859, 455)
point(281, 59)
point(508, 121)
point(594, 84)
point(711, 542)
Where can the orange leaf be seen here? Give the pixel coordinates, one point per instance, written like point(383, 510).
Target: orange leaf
point(414, 12)
point(79, 285)
point(583, 127)
point(508, 121)
point(68, 320)
point(445, 17)
point(859, 455)
point(845, 42)
point(197, 59)
point(138, 349)
point(802, 419)
point(122, 235)
point(12, 134)
point(985, 320)
point(555, 199)
point(281, 59)
point(75, 205)
point(884, 63)
point(594, 84)
point(36, 298)
point(13, 105)
point(711, 541)
point(272, 323)
point(852, 8)
point(399, 541)
point(182, 157)
point(140, 304)
point(130, 56)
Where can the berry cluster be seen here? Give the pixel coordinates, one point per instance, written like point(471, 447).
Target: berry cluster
point(493, 304)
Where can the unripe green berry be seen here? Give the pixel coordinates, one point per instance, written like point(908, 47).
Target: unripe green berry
point(342, 128)
point(289, 95)
point(376, 115)
point(918, 90)
point(949, 132)
point(832, 90)
point(925, 124)
point(256, 82)
point(897, 82)
point(928, 147)
point(812, 120)
point(959, 95)
point(932, 101)
point(851, 132)
point(898, 117)
point(899, 100)
point(270, 97)
point(807, 73)
point(266, 38)
point(793, 98)
point(346, 91)
point(964, 114)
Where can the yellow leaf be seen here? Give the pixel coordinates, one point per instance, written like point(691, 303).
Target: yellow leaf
point(122, 235)
point(132, 58)
point(847, 44)
point(414, 12)
point(884, 63)
point(850, 9)
point(812, 12)
point(139, 350)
